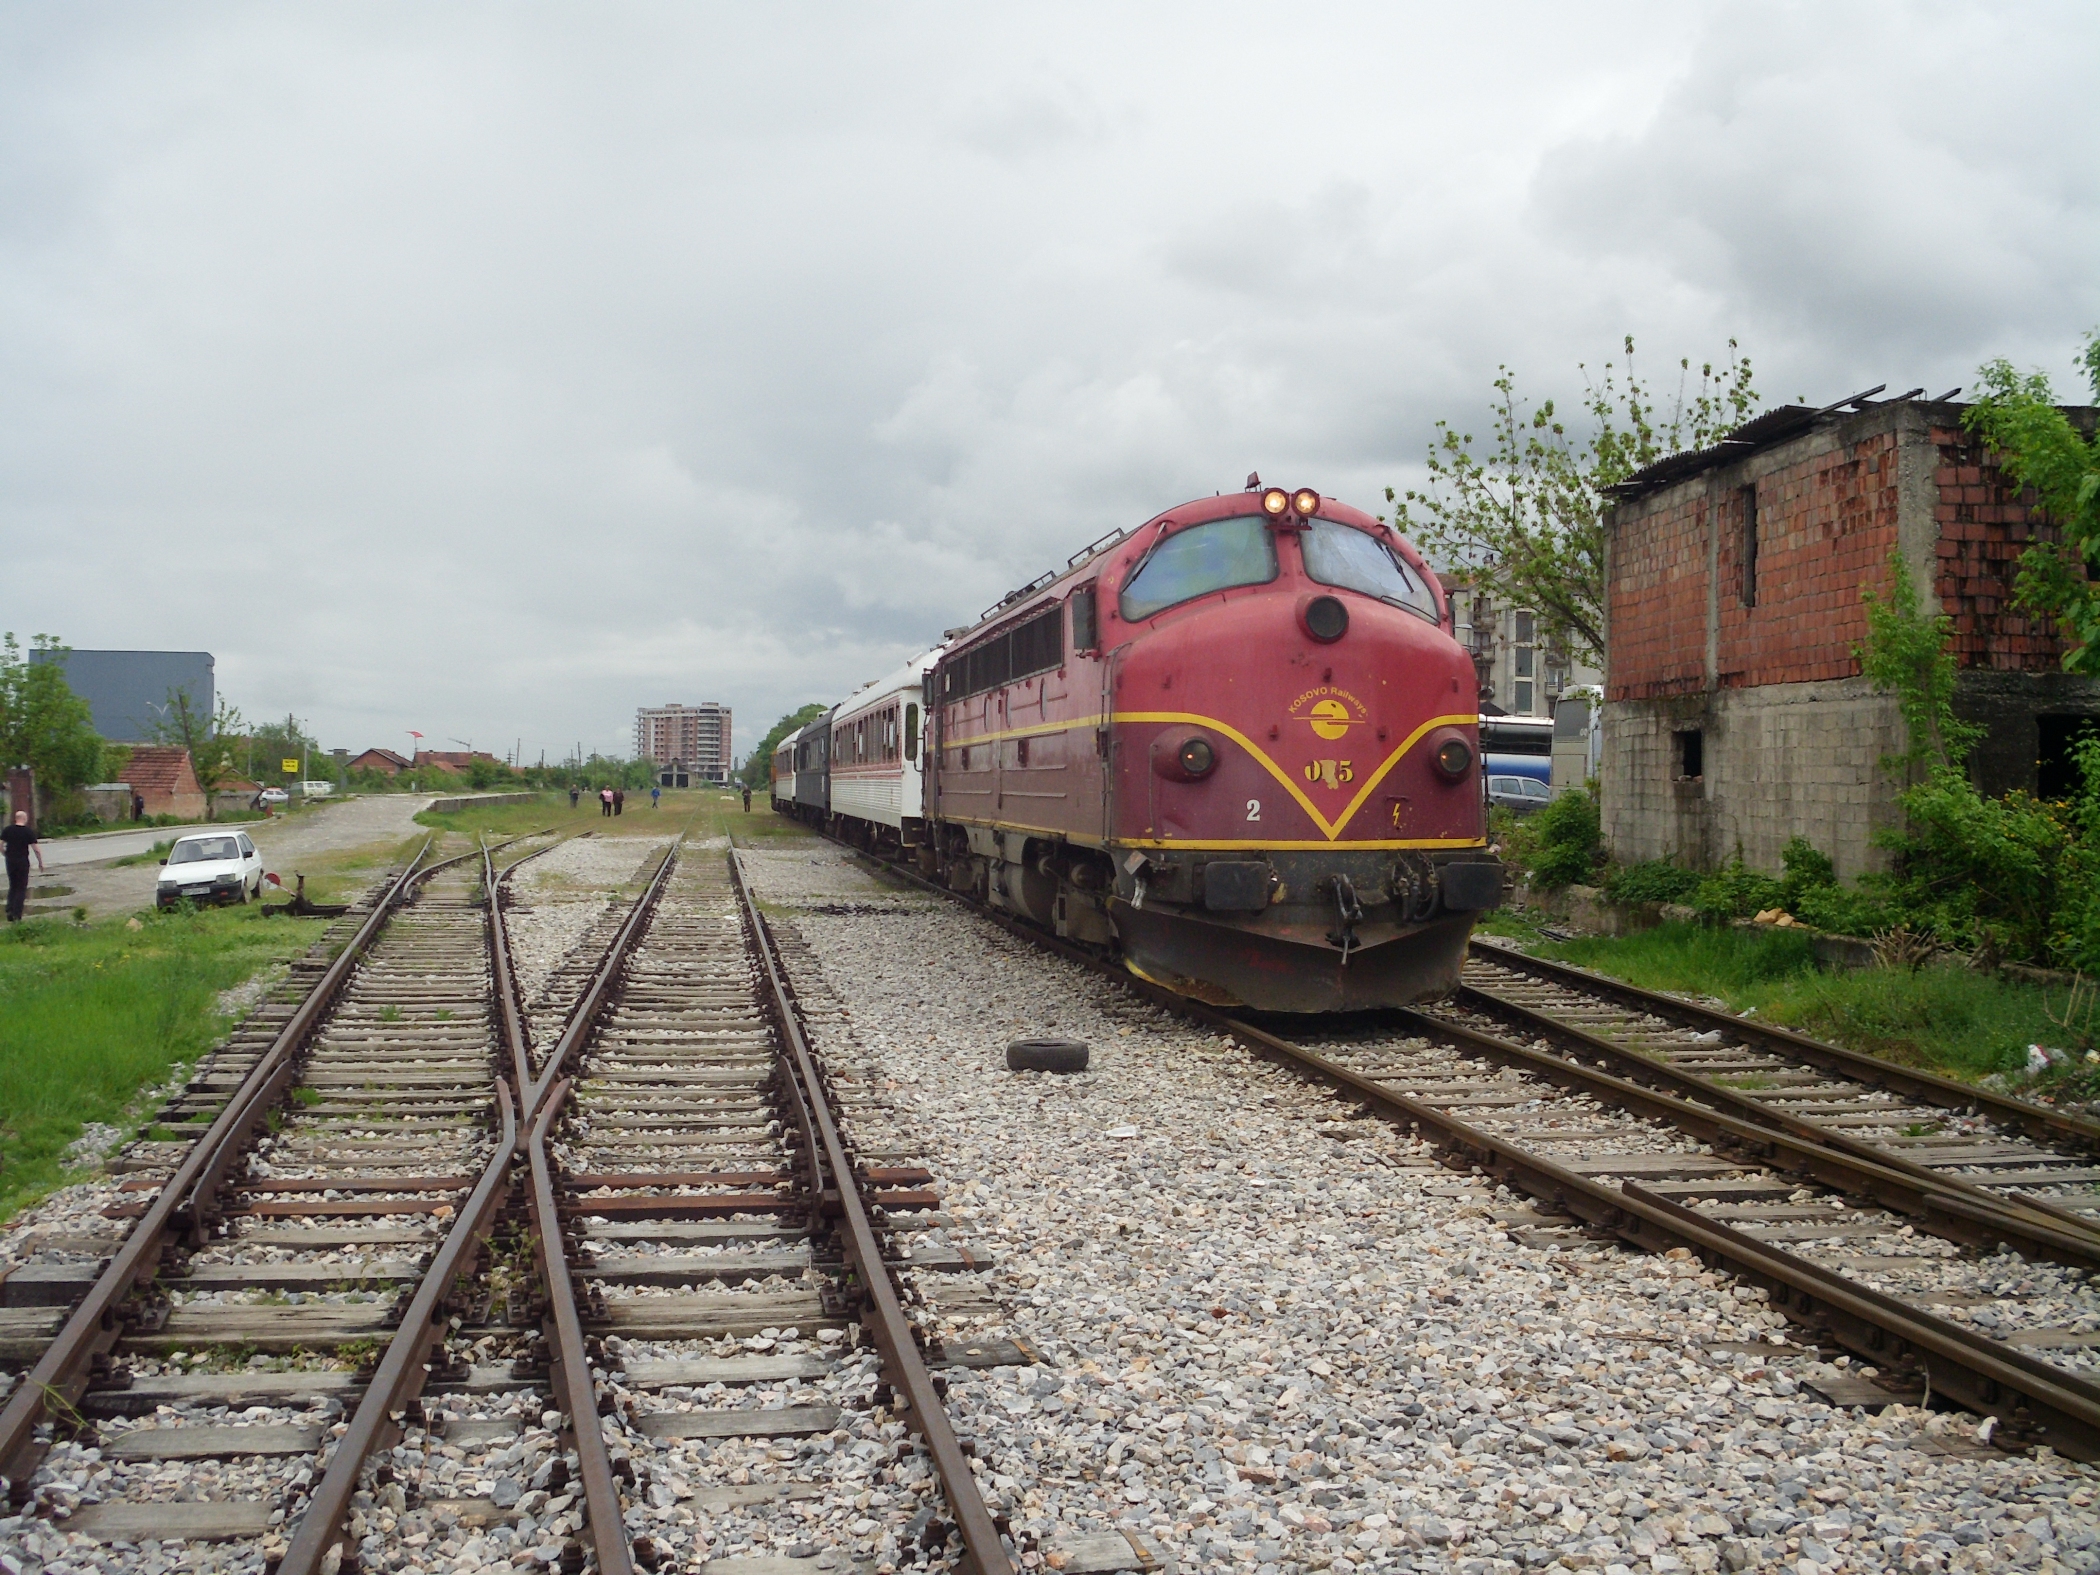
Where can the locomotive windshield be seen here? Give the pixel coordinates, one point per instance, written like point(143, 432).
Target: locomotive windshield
point(1199, 560)
point(1358, 561)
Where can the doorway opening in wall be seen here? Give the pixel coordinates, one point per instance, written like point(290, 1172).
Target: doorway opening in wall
point(1691, 754)
point(2055, 754)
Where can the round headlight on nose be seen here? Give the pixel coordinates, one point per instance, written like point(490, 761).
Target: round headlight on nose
point(1454, 757)
point(1326, 619)
point(1275, 503)
point(1197, 757)
point(1305, 502)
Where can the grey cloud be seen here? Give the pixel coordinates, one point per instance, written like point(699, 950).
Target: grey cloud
point(527, 365)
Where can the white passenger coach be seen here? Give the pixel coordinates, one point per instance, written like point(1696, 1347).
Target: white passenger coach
point(877, 751)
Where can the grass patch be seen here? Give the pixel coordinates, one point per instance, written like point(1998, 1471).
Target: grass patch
point(709, 812)
point(152, 855)
point(95, 1014)
point(1964, 1024)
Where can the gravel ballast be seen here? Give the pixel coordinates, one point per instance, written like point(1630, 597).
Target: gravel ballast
point(1277, 1336)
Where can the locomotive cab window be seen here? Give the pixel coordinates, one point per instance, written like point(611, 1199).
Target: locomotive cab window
point(1086, 619)
point(1356, 560)
point(1213, 557)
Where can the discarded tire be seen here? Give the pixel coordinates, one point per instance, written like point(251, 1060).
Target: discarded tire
point(1046, 1055)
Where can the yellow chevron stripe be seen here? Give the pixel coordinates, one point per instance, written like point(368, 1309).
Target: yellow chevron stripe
point(1331, 829)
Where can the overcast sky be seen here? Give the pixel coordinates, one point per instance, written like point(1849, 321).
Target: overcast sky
point(491, 370)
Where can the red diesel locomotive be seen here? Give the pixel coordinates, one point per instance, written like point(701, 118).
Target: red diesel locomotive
point(1238, 744)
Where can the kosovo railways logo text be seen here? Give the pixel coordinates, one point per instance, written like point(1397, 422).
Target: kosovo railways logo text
point(1329, 713)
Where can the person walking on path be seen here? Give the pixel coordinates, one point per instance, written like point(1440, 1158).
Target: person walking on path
point(747, 800)
point(21, 842)
point(605, 801)
point(619, 801)
point(574, 794)
point(655, 793)
point(138, 808)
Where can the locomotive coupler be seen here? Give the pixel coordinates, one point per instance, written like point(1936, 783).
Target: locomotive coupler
point(1350, 912)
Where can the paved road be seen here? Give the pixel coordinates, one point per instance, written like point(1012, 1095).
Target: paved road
point(100, 849)
point(83, 863)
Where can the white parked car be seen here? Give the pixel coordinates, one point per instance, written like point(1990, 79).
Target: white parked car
point(273, 795)
point(319, 789)
point(210, 866)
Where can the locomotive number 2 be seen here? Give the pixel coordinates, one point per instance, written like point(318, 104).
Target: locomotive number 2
point(1254, 809)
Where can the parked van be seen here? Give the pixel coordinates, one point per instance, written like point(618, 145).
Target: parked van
point(316, 789)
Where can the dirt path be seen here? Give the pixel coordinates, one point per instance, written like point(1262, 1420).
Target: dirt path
point(104, 888)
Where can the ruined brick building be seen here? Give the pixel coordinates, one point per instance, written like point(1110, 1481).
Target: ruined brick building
point(1735, 715)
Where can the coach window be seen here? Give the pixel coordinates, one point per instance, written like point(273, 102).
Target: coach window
point(1199, 560)
point(911, 732)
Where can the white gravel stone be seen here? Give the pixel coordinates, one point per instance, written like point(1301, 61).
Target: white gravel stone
point(1278, 1336)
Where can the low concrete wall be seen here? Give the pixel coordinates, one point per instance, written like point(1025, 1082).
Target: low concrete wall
point(450, 806)
point(1588, 911)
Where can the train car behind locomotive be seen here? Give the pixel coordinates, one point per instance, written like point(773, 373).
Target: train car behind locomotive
point(878, 793)
point(1239, 744)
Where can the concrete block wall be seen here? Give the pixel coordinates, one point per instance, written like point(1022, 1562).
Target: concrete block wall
point(1781, 760)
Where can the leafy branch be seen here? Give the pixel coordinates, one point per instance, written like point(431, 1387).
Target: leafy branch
point(1521, 512)
point(2018, 418)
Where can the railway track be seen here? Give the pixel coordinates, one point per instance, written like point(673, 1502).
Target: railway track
point(1935, 1287)
point(1993, 1149)
point(476, 1276)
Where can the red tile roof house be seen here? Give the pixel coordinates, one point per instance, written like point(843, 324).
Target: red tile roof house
point(384, 761)
point(161, 774)
point(452, 759)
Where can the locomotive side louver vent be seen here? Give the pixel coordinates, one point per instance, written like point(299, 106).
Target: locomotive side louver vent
point(1035, 646)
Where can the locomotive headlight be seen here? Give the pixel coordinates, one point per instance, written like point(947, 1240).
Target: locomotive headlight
point(1197, 757)
point(1275, 503)
point(1306, 502)
point(1454, 757)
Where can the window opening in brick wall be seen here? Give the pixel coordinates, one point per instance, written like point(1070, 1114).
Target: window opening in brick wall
point(1691, 754)
point(1750, 546)
point(2055, 755)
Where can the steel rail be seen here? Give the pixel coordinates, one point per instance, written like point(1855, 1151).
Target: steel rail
point(398, 1379)
point(904, 1369)
point(584, 1014)
point(2038, 1232)
point(568, 1359)
point(62, 1374)
point(2031, 1398)
point(569, 1363)
point(1945, 1206)
point(1983, 1374)
point(1942, 1209)
point(1927, 1087)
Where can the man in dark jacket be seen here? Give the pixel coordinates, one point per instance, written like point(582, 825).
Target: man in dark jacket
point(21, 843)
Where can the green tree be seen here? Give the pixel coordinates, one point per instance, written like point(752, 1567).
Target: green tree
point(1521, 515)
point(1908, 653)
point(272, 744)
point(2035, 442)
point(1971, 871)
point(43, 724)
point(758, 767)
point(210, 740)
